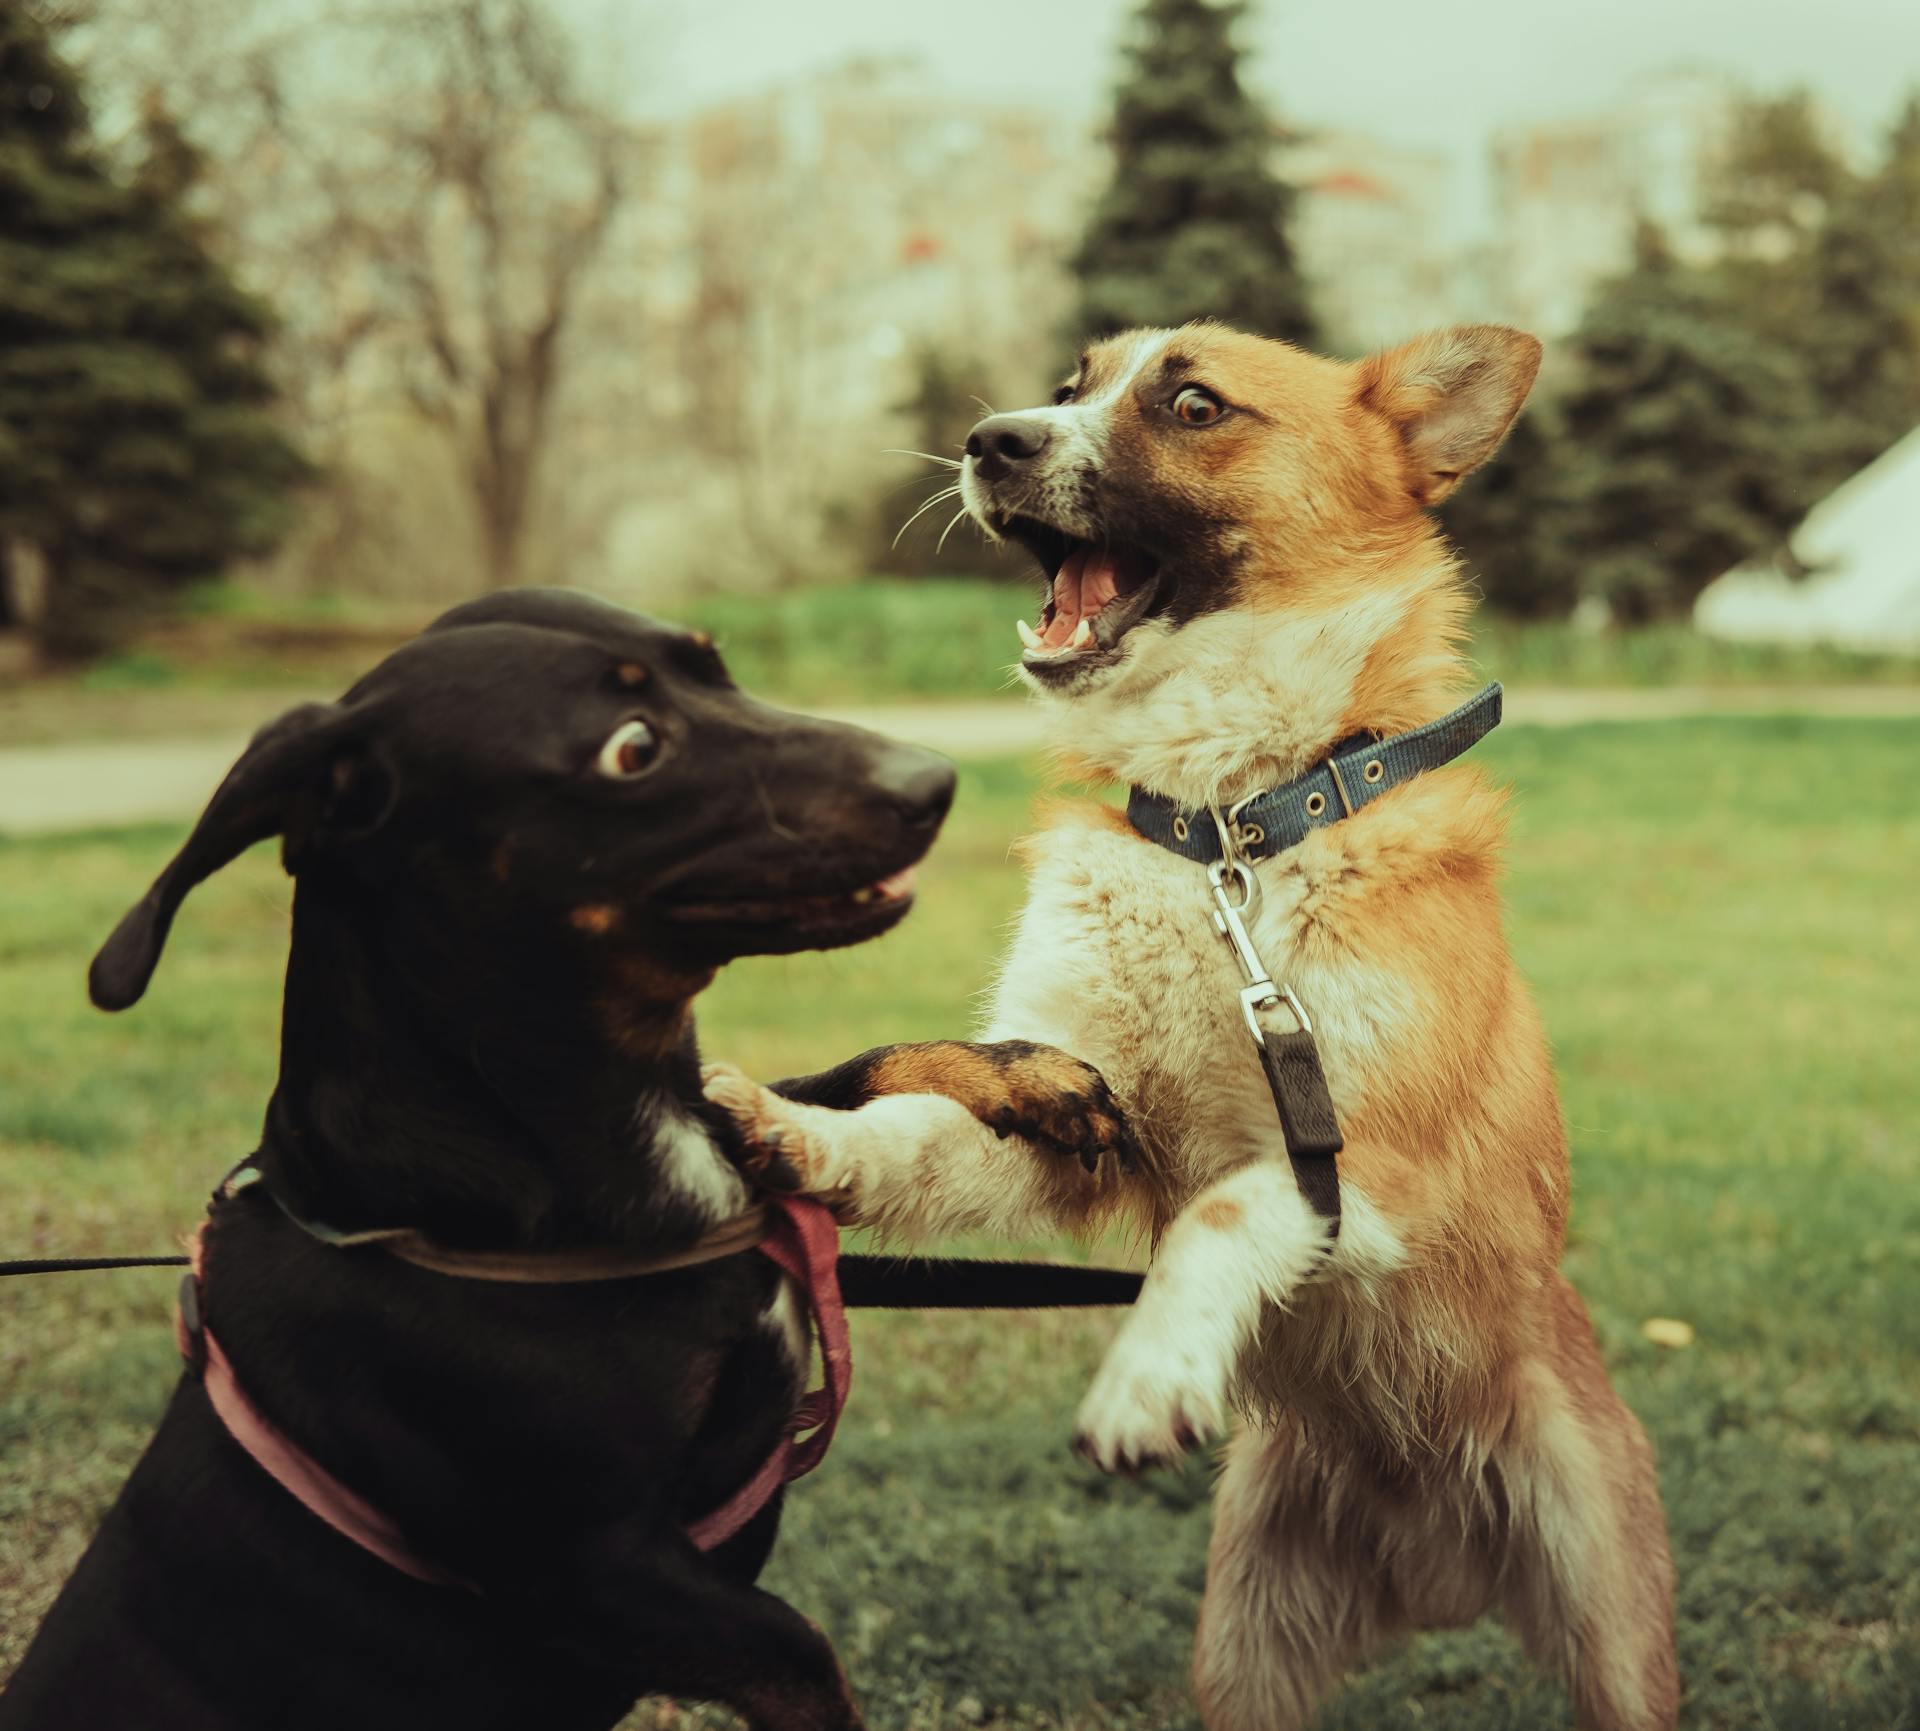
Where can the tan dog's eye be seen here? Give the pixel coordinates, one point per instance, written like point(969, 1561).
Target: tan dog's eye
point(1197, 407)
point(1063, 395)
point(630, 748)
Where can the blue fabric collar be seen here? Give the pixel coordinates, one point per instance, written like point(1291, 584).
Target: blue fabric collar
point(1357, 772)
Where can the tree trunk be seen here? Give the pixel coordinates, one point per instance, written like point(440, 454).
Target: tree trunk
point(500, 491)
point(500, 529)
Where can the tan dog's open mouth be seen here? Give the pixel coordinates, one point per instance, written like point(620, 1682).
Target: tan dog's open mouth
point(1096, 594)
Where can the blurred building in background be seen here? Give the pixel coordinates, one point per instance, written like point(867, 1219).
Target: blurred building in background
point(1374, 226)
point(797, 256)
point(1568, 193)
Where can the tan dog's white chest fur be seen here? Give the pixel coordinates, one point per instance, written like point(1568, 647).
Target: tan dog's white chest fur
point(1115, 958)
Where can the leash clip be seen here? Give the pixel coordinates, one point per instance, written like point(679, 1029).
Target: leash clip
point(1230, 921)
point(1290, 1061)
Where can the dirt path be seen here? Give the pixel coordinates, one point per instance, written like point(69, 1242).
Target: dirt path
point(46, 789)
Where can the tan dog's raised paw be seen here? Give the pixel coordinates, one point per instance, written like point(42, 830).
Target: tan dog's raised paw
point(1153, 1400)
point(1062, 1103)
point(1046, 1096)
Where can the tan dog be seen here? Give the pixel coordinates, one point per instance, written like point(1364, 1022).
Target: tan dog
point(1243, 573)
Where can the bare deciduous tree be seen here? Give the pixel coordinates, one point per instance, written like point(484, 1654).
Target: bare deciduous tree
point(421, 188)
point(508, 183)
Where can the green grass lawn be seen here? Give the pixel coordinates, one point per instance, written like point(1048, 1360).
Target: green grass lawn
point(1721, 920)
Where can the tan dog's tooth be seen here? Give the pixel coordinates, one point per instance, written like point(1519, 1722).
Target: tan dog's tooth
point(1028, 636)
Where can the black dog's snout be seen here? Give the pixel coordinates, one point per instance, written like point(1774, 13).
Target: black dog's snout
point(1001, 441)
point(919, 782)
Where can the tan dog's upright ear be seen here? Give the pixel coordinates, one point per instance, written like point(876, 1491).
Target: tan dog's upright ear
point(1452, 394)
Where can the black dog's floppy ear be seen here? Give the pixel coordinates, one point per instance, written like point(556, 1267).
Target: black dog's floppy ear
point(288, 759)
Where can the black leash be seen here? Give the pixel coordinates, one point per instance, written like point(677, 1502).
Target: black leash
point(86, 1264)
point(866, 1282)
point(976, 1283)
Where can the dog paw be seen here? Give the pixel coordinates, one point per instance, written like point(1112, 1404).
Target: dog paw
point(1059, 1103)
point(1148, 1409)
point(787, 1147)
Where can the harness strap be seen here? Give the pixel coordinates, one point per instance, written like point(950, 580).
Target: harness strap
point(803, 1242)
point(277, 1454)
point(797, 1234)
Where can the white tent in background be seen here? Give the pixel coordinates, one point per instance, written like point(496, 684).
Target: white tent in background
point(1860, 547)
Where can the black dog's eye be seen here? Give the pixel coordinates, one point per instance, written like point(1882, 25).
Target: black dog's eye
point(630, 748)
point(1063, 395)
point(1197, 407)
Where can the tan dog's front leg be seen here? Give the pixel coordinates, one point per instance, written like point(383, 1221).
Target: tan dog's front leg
point(925, 1164)
point(1014, 1087)
point(1167, 1381)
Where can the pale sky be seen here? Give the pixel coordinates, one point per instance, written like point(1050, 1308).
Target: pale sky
point(1423, 74)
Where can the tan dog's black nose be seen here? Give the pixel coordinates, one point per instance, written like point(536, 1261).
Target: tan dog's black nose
point(1001, 443)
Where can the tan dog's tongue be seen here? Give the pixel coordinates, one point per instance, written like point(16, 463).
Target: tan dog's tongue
point(1085, 584)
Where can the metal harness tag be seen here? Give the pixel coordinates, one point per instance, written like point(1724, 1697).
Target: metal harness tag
point(1289, 1059)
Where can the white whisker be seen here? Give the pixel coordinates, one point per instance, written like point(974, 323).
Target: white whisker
point(939, 498)
point(912, 481)
point(948, 530)
point(946, 462)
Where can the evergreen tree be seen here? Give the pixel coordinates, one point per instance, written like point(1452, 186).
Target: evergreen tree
point(1689, 440)
point(1865, 340)
point(1709, 407)
point(1828, 263)
point(1504, 520)
point(137, 446)
point(1862, 340)
point(1194, 221)
point(1777, 175)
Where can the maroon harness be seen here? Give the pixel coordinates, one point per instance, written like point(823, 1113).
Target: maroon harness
point(800, 1238)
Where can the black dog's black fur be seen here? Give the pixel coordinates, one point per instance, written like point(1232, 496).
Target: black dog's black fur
point(485, 1031)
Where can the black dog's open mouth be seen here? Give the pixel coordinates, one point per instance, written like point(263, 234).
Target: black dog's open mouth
point(815, 920)
point(1096, 593)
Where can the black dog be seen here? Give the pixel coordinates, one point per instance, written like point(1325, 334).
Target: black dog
point(522, 845)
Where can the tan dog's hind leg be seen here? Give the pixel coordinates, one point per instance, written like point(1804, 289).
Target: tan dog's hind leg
point(1315, 1563)
point(1286, 1609)
point(1590, 1577)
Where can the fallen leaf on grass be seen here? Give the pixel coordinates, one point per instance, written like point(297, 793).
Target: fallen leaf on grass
point(1666, 1331)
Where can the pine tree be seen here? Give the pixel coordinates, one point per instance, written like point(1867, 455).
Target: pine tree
point(1194, 221)
point(1827, 262)
point(1504, 520)
point(1688, 441)
point(1865, 339)
point(1778, 172)
point(138, 451)
point(1711, 407)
